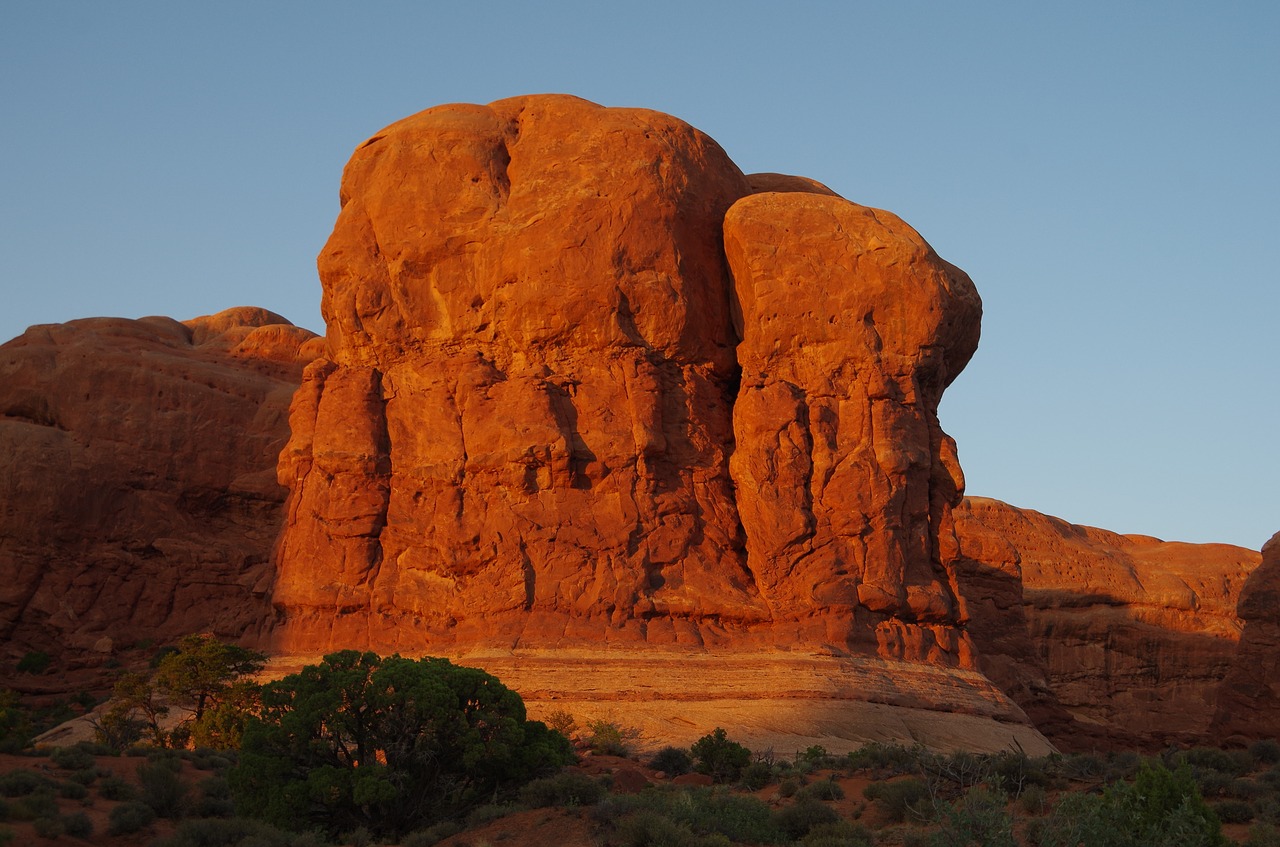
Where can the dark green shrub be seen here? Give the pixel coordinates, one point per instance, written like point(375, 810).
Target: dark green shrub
point(823, 789)
point(902, 798)
point(788, 787)
point(4, 810)
point(1247, 789)
point(568, 788)
point(1034, 801)
point(891, 758)
point(431, 836)
point(162, 789)
point(129, 817)
point(610, 739)
point(1263, 835)
point(648, 828)
point(1265, 752)
point(1231, 762)
point(72, 758)
point(85, 777)
point(672, 761)
point(116, 789)
point(41, 803)
point(358, 837)
point(1160, 808)
point(77, 825)
point(72, 790)
point(49, 827)
point(233, 832)
point(1233, 811)
point(720, 757)
point(490, 812)
point(756, 776)
point(839, 834)
point(797, 819)
point(422, 729)
point(19, 783)
point(979, 817)
point(34, 662)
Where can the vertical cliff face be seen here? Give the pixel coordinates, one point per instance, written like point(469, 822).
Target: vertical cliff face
point(1102, 638)
point(1250, 691)
point(138, 498)
point(554, 413)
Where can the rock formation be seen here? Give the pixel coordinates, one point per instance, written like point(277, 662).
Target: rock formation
point(139, 499)
point(1247, 703)
point(1102, 638)
point(542, 364)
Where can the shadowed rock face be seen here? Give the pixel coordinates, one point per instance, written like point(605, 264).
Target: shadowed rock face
point(138, 498)
point(554, 413)
point(1102, 638)
point(1250, 691)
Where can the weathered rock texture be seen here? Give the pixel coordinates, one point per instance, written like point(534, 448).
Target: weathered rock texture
point(554, 414)
point(138, 499)
point(1249, 697)
point(1100, 637)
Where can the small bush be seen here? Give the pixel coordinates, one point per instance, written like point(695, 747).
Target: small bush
point(1034, 801)
point(1265, 752)
point(77, 825)
point(562, 722)
point(34, 662)
point(20, 783)
point(116, 789)
point(72, 758)
point(569, 788)
point(673, 761)
point(1233, 811)
point(490, 812)
point(977, 818)
point(234, 832)
point(720, 757)
point(646, 828)
point(359, 837)
point(788, 787)
point(48, 827)
point(129, 818)
point(901, 797)
point(893, 758)
point(823, 789)
point(756, 776)
point(85, 778)
point(432, 835)
point(802, 816)
point(610, 739)
point(38, 804)
point(1230, 762)
point(1263, 835)
point(839, 834)
point(72, 790)
point(1247, 789)
point(162, 789)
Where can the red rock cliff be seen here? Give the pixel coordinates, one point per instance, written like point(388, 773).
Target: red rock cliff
point(554, 413)
point(1249, 698)
point(138, 495)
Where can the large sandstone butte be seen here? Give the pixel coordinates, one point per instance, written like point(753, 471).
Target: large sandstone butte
point(594, 396)
point(553, 412)
point(138, 498)
point(1108, 639)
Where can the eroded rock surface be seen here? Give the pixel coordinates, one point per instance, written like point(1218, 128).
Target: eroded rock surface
point(1249, 697)
point(1101, 637)
point(138, 495)
point(541, 366)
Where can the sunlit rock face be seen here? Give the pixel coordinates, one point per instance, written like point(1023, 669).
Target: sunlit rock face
point(590, 384)
point(138, 499)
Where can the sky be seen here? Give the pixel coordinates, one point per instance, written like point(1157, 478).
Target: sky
point(1106, 172)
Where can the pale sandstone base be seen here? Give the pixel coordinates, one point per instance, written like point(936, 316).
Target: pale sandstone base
point(783, 701)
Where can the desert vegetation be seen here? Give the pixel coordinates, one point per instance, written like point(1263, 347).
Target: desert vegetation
point(361, 749)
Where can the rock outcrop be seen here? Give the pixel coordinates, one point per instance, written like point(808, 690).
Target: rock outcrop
point(139, 498)
point(1250, 692)
point(542, 364)
point(1102, 638)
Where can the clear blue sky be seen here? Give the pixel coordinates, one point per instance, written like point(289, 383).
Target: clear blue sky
point(1106, 172)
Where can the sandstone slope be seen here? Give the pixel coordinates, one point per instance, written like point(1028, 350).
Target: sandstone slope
point(1248, 701)
point(138, 495)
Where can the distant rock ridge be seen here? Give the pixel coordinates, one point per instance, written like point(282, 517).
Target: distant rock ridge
point(138, 496)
